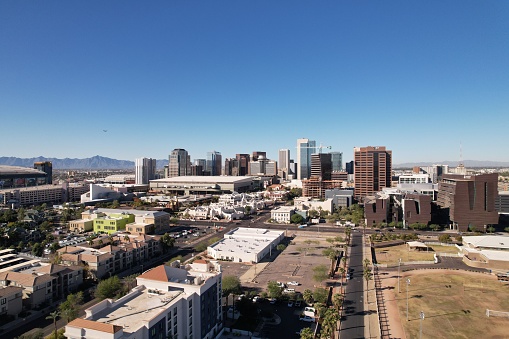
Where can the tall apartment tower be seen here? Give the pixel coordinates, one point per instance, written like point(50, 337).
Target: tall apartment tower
point(372, 170)
point(337, 161)
point(180, 163)
point(213, 164)
point(321, 166)
point(46, 167)
point(305, 148)
point(145, 169)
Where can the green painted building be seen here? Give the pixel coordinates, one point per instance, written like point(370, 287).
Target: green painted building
point(112, 223)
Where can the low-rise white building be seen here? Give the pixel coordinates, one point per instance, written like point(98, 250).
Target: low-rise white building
point(246, 244)
point(282, 214)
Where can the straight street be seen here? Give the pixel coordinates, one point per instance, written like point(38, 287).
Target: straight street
point(352, 324)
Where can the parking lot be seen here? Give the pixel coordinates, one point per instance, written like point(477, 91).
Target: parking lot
point(295, 263)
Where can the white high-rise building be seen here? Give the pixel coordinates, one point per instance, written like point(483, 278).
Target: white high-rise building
point(168, 302)
point(305, 148)
point(145, 169)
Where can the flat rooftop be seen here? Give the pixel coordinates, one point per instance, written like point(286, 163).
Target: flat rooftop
point(247, 240)
point(205, 179)
point(131, 313)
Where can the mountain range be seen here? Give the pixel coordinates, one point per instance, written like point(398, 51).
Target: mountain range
point(96, 162)
point(99, 162)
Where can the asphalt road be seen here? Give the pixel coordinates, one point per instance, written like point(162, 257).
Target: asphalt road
point(352, 324)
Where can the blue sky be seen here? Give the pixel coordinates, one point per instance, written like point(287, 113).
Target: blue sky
point(419, 77)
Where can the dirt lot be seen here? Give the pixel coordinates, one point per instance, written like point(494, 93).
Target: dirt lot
point(391, 255)
point(295, 263)
point(454, 304)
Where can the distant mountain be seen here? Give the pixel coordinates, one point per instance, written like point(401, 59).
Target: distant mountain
point(466, 163)
point(96, 162)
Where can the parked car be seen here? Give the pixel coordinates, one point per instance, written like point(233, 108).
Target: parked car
point(348, 276)
point(273, 301)
point(256, 298)
point(290, 303)
point(294, 283)
point(307, 318)
point(298, 303)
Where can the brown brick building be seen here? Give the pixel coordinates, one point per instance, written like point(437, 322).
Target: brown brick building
point(470, 199)
point(406, 207)
point(372, 170)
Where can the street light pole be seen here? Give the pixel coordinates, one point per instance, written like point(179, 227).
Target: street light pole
point(407, 284)
point(420, 327)
point(399, 277)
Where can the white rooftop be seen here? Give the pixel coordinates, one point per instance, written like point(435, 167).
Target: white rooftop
point(132, 312)
point(205, 179)
point(487, 241)
point(248, 240)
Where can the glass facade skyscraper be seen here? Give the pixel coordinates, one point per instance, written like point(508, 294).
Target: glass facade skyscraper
point(305, 148)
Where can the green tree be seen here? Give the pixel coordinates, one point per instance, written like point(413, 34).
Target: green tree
point(281, 247)
point(129, 282)
point(167, 242)
point(115, 204)
point(320, 273)
point(230, 285)
point(367, 276)
point(329, 323)
point(70, 307)
point(307, 295)
point(37, 249)
point(178, 257)
point(275, 291)
point(307, 333)
point(337, 300)
point(491, 229)
point(296, 219)
point(445, 238)
point(108, 288)
point(54, 316)
point(320, 295)
point(247, 209)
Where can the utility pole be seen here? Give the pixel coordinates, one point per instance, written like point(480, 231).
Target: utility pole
point(420, 326)
point(407, 284)
point(399, 277)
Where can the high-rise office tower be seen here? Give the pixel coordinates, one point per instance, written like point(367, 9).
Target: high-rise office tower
point(372, 170)
point(321, 166)
point(305, 148)
point(243, 164)
point(145, 169)
point(180, 163)
point(284, 163)
point(46, 167)
point(337, 161)
point(213, 165)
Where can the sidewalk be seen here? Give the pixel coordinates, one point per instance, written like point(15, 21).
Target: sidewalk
point(371, 322)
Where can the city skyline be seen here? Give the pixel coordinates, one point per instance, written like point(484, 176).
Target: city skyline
point(426, 80)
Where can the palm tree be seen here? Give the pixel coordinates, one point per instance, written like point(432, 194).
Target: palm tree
point(342, 271)
point(54, 316)
point(367, 275)
point(127, 238)
point(337, 301)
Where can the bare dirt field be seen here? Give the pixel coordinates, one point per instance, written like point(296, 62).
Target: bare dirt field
point(454, 304)
point(391, 255)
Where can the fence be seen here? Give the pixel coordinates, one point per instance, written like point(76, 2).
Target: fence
point(383, 319)
point(492, 313)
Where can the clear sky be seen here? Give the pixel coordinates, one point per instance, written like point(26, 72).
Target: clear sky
point(419, 77)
